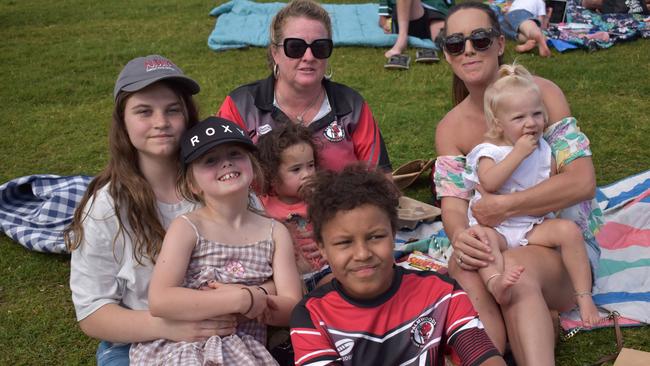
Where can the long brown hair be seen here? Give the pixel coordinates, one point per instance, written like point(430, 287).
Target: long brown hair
point(458, 89)
point(131, 193)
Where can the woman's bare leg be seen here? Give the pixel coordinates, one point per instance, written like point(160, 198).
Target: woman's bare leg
point(483, 302)
point(407, 10)
point(545, 285)
point(434, 28)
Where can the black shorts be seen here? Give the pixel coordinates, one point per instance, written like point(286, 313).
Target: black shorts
point(419, 28)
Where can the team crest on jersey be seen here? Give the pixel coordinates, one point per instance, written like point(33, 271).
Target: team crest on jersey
point(334, 132)
point(422, 330)
point(344, 347)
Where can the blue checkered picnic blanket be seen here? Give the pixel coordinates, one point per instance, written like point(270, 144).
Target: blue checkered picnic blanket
point(35, 209)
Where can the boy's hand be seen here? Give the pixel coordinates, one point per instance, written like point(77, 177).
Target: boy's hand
point(267, 316)
point(525, 145)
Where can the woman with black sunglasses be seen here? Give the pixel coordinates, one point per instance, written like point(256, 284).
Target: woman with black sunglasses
point(473, 45)
point(299, 91)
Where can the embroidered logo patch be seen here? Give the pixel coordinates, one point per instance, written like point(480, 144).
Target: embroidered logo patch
point(422, 330)
point(158, 64)
point(264, 129)
point(334, 132)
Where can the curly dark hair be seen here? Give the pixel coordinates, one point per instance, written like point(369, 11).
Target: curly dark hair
point(271, 145)
point(332, 192)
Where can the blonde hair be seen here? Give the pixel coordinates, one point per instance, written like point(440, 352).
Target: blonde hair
point(186, 184)
point(296, 9)
point(510, 77)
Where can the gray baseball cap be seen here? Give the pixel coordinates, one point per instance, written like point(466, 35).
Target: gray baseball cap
point(144, 71)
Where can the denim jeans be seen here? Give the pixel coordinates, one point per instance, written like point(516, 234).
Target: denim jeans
point(113, 354)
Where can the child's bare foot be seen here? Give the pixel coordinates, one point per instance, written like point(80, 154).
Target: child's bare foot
point(588, 311)
point(543, 49)
point(502, 284)
point(526, 46)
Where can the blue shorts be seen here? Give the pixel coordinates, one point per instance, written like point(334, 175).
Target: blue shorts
point(113, 354)
point(511, 21)
point(421, 27)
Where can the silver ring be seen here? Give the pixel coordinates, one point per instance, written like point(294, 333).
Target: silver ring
point(460, 258)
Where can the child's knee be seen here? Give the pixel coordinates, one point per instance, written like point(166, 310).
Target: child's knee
point(529, 28)
point(496, 241)
point(569, 231)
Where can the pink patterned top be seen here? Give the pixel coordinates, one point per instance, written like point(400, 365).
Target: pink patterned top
point(567, 144)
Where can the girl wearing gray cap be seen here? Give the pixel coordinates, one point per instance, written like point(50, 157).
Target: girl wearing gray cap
point(120, 223)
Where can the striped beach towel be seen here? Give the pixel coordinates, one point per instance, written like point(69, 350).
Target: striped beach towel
point(622, 283)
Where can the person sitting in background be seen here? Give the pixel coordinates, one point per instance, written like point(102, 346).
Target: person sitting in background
point(422, 19)
point(618, 6)
point(524, 22)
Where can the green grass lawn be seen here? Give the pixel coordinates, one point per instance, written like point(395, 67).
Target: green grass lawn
point(59, 63)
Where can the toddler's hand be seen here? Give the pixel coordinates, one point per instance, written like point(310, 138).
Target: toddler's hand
point(525, 145)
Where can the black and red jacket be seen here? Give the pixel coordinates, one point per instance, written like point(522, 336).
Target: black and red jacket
point(347, 134)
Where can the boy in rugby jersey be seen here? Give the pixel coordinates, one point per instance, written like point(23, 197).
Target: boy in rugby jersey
point(373, 312)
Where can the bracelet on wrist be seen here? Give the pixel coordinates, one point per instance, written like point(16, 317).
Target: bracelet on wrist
point(250, 294)
point(263, 290)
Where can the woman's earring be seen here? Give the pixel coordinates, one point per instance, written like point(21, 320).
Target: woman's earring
point(330, 72)
point(276, 70)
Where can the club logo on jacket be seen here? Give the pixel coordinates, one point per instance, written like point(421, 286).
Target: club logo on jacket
point(334, 132)
point(344, 347)
point(422, 330)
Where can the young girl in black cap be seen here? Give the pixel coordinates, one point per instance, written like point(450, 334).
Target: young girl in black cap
point(224, 241)
point(119, 225)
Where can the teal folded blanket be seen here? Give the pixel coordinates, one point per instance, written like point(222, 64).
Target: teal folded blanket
point(243, 23)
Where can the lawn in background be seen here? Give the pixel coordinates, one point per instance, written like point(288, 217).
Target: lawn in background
point(59, 63)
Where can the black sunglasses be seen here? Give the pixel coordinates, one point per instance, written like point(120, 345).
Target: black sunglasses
point(296, 47)
point(481, 40)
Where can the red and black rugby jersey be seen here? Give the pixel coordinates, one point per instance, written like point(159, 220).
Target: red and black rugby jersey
point(422, 317)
